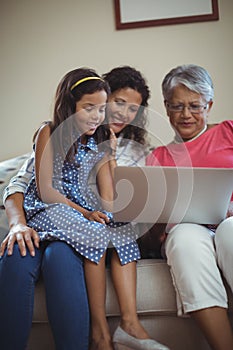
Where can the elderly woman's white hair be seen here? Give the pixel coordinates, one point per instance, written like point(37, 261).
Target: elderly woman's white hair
point(194, 77)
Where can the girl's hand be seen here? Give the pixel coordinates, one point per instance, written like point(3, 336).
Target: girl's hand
point(113, 143)
point(97, 216)
point(25, 236)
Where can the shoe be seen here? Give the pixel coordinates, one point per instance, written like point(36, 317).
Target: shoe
point(123, 338)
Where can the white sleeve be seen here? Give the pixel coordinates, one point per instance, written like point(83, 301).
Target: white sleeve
point(19, 182)
point(131, 154)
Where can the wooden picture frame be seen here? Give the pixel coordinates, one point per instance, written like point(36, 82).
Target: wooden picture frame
point(147, 13)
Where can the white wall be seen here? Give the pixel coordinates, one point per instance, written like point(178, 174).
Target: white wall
point(42, 40)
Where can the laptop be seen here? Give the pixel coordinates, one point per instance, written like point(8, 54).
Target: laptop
point(153, 194)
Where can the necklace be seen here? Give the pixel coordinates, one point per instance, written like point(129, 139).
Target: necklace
point(178, 139)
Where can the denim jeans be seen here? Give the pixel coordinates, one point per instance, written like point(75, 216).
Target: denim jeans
point(66, 296)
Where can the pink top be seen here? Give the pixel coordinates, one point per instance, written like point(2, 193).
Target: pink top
point(212, 149)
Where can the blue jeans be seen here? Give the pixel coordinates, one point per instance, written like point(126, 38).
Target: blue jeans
point(66, 296)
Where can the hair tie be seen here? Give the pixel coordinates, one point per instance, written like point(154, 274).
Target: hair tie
point(82, 80)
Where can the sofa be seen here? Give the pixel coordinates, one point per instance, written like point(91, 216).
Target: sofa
point(156, 299)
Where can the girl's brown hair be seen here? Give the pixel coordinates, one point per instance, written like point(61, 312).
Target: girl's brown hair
point(67, 95)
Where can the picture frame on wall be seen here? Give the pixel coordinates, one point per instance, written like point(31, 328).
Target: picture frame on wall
point(147, 13)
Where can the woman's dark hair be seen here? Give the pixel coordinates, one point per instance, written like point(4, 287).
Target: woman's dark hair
point(128, 77)
point(66, 97)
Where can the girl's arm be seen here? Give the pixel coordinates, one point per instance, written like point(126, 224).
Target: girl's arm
point(44, 171)
point(112, 152)
point(105, 183)
point(44, 177)
point(105, 174)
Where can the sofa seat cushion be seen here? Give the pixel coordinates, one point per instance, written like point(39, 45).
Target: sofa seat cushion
point(155, 292)
point(157, 298)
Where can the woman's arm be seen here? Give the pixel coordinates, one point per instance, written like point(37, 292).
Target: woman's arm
point(19, 231)
point(13, 201)
point(19, 182)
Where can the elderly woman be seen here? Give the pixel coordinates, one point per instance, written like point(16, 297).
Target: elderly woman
point(195, 252)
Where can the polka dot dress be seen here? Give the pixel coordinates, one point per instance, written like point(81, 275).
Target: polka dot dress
point(57, 221)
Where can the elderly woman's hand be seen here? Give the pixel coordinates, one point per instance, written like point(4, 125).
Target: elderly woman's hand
point(25, 236)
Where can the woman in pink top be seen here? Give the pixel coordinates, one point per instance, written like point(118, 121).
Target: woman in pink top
point(194, 252)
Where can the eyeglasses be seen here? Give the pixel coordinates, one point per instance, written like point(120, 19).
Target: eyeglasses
point(193, 108)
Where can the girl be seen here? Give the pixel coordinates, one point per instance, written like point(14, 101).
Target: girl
point(66, 149)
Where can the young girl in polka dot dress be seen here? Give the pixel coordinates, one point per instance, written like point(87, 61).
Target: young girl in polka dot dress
point(60, 205)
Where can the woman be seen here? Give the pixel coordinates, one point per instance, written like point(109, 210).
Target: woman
point(188, 98)
point(129, 92)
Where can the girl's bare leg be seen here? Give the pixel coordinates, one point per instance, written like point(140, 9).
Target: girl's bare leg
point(216, 327)
point(124, 280)
point(96, 289)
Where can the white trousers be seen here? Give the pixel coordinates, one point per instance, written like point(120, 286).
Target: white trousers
point(224, 249)
point(194, 253)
